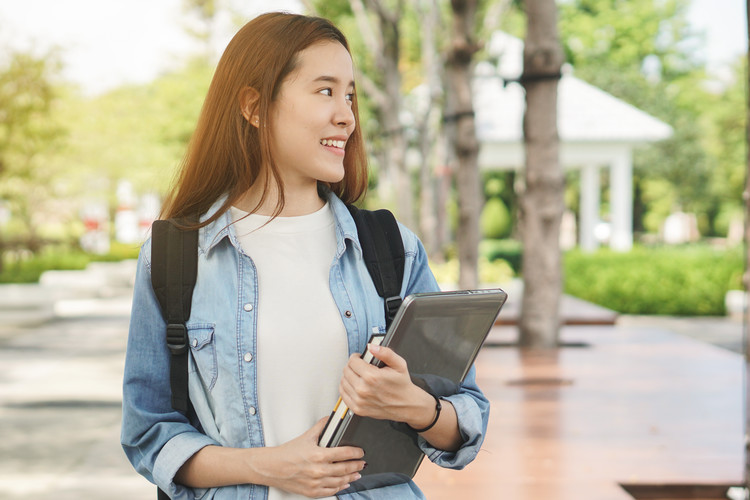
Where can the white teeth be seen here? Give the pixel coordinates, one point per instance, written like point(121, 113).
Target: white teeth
point(330, 142)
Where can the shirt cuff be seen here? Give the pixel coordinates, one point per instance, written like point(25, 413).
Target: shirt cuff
point(172, 456)
point(470, 426)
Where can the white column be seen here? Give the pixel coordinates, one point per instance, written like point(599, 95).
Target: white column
point(589, 216)
point(621, 196)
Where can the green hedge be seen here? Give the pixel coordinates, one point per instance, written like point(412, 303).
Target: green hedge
point(680, 281)
point(28, 269)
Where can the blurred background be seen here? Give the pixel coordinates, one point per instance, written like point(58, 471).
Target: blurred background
point(98, 100)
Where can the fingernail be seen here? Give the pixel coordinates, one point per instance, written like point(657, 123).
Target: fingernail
point(364, 466)
point(357, 476)
point(374, 348)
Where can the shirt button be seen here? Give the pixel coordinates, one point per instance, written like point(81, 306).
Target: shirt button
point(195, 342)
point(248, 307)
point(348, 314)
point(252, 410)
point(248, 357)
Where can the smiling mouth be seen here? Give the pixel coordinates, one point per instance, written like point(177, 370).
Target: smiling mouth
point(332, 143)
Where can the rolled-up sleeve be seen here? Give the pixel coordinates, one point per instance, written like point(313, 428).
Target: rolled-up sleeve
point(472, 407)
point(473, 412)
point(156, 439)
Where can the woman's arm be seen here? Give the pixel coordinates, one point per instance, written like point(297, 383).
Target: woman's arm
point(156, 438)
point(299, 466)
point(469, 404)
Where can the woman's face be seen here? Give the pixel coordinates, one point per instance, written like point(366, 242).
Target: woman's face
point(312, 117)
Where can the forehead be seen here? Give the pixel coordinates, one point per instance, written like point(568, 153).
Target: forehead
point(328, 59)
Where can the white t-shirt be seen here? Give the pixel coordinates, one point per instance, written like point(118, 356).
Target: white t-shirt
point(302, 345)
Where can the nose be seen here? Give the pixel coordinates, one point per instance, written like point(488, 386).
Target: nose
point(344, 116)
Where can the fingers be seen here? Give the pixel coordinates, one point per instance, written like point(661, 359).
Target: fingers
point(338, 475)
point(389, 357)
point(346, 454)
point(354, 391)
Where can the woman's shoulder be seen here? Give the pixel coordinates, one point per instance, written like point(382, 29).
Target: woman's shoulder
point(412, 243)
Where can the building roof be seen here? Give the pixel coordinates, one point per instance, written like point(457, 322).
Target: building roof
point(586, 114)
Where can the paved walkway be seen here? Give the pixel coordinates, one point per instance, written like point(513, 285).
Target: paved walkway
point(638, 405)
point(639, 401)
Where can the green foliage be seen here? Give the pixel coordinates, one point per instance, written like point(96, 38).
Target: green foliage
point(726, 137)
point(681, 281)
point(29, 134)
point(728, 212)
point(659, 196)
point(28, 268)
point(643, 52)
point(495, 219)
point(508, 250)
point(624, 34)
point(138, 133)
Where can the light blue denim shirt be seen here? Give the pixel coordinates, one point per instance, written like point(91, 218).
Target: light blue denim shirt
point(222, 361)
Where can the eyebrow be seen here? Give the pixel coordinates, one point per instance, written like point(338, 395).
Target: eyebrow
point(332, 79)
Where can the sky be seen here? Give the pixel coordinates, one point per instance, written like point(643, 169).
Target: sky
point(105, 43)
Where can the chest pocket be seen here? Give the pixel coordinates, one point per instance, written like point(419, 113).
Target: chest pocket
point(203, 353)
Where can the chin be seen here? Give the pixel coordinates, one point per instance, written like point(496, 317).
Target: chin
point(332, 177)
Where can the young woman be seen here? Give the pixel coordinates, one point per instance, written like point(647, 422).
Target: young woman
point(283, 304)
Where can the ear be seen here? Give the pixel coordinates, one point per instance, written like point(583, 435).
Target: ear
point(249, 98)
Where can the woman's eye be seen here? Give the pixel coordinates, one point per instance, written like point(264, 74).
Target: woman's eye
point(350, 97)
point(328, 92)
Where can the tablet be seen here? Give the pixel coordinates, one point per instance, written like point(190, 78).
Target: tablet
point(439, 335)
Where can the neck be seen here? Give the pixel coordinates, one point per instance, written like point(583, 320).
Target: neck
point(298, 200)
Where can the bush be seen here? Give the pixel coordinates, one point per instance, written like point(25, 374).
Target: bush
point(495, 220)
point(680, 281)
point(507, 250)
point(28, 269)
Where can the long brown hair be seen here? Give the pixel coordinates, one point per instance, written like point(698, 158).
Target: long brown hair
point(226, 155)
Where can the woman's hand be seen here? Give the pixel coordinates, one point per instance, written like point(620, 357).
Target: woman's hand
point(301, 466)
point(298, 466)
point(386, 392)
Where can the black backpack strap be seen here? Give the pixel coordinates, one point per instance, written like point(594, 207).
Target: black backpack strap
point(383, 252)
point(174, 269)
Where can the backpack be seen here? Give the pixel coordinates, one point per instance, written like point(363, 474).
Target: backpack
point(174, 269)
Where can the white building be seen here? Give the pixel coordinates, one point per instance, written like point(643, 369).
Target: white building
point(597, 131)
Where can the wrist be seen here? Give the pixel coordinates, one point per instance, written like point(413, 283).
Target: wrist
point(428, 416)
point(261, 465)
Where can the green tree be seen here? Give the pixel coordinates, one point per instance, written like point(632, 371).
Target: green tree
point(136, 133)
point(641, 51)
point(726, 142)
point(28, 134)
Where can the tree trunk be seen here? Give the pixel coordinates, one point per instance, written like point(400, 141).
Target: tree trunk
point(383, 41)
point(541, 202)
point(428, 128)
point(395, 142)
point(459, 69)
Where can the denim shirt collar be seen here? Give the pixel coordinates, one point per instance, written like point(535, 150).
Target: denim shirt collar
point(222, 227)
